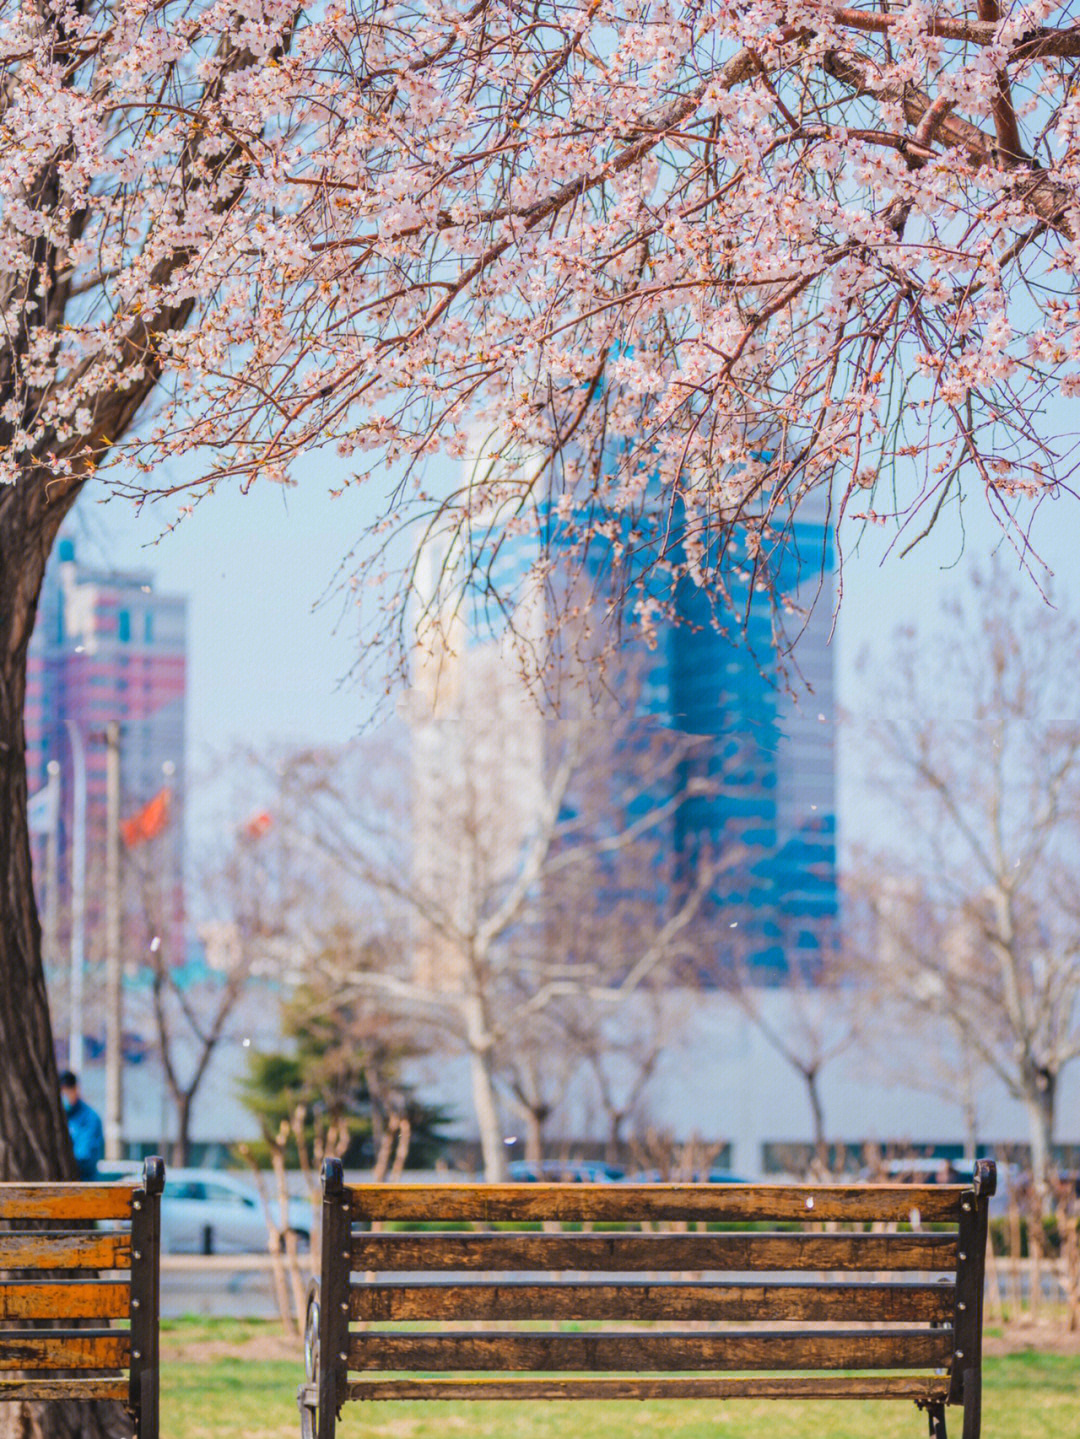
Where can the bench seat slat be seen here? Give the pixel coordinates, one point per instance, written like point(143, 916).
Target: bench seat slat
point(742, 1386)
point(76, 1299)
point(86, 1388)
point(614, 1253)
point(86, 1249)
point(934, 1203)
point(77, 1349)
point(753, 1349)
point(65, 1201)
point(640, 1299)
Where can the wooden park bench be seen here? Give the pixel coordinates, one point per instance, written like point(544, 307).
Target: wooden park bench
point(855, 1292)
point(79, 1293)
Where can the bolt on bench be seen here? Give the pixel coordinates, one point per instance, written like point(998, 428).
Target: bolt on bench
point(792, 1313)
point(55, 1269)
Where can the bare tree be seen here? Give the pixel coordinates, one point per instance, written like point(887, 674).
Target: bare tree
point(611, 1035)
point(338, 1082)
point(810, 1018)
point(622, 1041)
point(535, 1070)
point(892, 1000)
point(513, 813)
point(190, 1010)
point(977, 751)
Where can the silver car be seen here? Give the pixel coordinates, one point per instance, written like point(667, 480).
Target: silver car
point(210, 1211)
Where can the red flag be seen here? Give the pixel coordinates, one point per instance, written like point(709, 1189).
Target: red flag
point(149, 821)
point(259, 824)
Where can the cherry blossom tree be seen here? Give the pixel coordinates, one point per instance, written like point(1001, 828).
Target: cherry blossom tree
point(685, 258)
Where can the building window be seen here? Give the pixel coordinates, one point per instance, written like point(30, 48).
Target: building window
point(123, 622)
point(148, 628)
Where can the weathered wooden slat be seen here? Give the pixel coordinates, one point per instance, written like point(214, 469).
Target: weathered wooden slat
point(88, 1249)
point(65, 1201)
point(78, 1299)
point(636, 1352)
point(872, 1303)
point(743, 1386)
point(626, 1203)
point(63, 1389)
point(64, 1349)
point(614, 1253)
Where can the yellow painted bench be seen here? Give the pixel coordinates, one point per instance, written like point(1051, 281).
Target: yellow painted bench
point(79, 1304)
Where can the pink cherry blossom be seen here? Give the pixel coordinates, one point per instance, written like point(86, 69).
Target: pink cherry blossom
point(706, 255)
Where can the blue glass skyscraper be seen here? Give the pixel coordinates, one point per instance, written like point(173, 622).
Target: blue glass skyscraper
point(759, 698)
point(767, 715)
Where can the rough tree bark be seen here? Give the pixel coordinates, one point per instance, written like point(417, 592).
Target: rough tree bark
point(1039, 1097)
point(811, 1075)
point(481, 1048)
point(34, 1140)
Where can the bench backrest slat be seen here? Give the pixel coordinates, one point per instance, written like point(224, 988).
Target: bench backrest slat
point(76, 1299)
point(644, 1300)
point(84, 1249)
point(85, 1387)
point(922, 1388)
point(671, 1203)
point(635, 1253)
point(637, 1351)
point(65, 1201)
point(85, 1349)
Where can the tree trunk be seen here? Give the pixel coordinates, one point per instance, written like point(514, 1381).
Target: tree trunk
point(613, 1148)
point(181, 1148)
point(817, 1109)
point(487, 1115)
point(970, 1102)
point(534, 1134)
point(34, 1140)
point(1040, 1094)
point(485, 1101)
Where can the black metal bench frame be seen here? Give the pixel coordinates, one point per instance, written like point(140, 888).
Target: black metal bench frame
point(64, 1345)
point(937, 1323)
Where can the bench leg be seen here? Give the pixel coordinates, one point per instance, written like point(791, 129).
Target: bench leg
point(305, 1397)
point(936, 1415)
point(972, 1403)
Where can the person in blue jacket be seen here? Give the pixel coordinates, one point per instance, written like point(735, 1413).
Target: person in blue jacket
point(87, 1136)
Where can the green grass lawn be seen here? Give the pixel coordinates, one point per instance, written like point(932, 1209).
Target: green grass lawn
point(210, 1393)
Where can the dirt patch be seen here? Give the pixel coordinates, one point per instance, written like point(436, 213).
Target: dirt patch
point(1047, 1337)
point(263, 1344)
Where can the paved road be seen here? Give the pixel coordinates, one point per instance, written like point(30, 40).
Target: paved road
point(239, 1287)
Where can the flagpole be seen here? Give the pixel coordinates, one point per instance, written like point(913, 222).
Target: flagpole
point(78, 894)
point(114, 1015)
point(52, 867)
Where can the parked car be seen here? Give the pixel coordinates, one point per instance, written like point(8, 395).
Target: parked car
point(698, 1176)
point(210, 1211)
point(557, 1171)
point(923, 1170)
point(119, 1171)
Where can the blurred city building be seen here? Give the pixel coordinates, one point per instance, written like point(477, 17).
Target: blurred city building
point(106, 648)
point(510, 643)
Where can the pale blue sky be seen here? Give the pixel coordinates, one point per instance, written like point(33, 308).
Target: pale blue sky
point(273, 638)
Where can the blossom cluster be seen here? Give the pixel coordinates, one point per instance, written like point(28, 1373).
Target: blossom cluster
point(690, 253)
